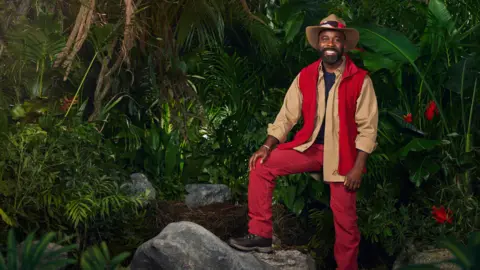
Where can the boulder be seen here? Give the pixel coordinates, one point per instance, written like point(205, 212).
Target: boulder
point(287, 260)
point(206, 194)
point(140, 185)
point(430, 256)
point(186, 245)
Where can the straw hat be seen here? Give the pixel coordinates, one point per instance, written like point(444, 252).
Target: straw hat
point(335, 23)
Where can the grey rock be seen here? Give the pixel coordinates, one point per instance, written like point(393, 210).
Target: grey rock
point(186, 245)
point(287, 260)
point(140, 185)
point(431, 256)
point(206, 194)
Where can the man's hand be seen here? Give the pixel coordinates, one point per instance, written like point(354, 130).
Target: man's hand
point(262, 153)
point(353, 179)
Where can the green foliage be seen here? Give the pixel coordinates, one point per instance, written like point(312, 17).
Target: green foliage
point(464, 256)
point(322, 241)
point(203, 81)
point(43, 254)
point(98, 257)
point(34, 254)
point(53, 174)
point(297, 191)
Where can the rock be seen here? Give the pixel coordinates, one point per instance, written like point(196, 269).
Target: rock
point(206, 194)
point(186, 245)
point(426, 257)
point(288, 260)
point(141, 186)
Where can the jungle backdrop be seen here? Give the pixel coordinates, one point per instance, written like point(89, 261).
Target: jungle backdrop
point(182, 91)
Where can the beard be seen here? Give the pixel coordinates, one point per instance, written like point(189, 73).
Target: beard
point(333, 58)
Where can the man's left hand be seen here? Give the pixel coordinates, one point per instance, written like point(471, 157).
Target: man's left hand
point(353, 179)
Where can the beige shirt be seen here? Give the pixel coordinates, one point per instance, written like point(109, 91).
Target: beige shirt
point(366, 118)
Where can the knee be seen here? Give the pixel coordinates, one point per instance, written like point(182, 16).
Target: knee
point(261, 173)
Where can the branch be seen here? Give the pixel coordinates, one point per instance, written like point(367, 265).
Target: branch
point(247, 10)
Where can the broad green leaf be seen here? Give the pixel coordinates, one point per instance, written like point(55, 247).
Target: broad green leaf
point(293, 26)
point(388, 43)
point(373, 62)
point(117, 260)
point(28, 249)
point(441, 15)
point(474, 240)
point(460, 252)
point(41, 248)
point(289, 196)
point(423, 170)
point(153, 137)
point(5, 217)
point(101, 36)
point(398, 118)
point(171, 154)
point(12, 250)
point(287, 10)
point(417, 145)
point(298, 205)
point(465, 71)
point(302, 183)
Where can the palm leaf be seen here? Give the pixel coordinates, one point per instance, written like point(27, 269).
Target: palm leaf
point(202, 21)
point(388, 43)
point(394, 45)
point(440, 16)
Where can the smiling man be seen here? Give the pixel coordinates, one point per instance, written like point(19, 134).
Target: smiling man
point(337, 102)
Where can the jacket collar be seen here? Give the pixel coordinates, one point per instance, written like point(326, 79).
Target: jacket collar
point(346, 69)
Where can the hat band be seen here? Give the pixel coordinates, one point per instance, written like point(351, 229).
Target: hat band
point(332, 24)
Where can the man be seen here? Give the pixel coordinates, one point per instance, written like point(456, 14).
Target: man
point(338, 104)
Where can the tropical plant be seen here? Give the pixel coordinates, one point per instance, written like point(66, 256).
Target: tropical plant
point(44, 254)
point(464, 256)
point(51, 173)
point(34, 254)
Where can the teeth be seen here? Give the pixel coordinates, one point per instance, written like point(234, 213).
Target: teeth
point(330, 52)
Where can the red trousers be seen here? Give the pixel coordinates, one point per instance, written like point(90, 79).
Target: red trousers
point(342, 202)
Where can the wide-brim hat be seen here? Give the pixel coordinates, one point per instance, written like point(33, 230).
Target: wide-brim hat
point(332, 22)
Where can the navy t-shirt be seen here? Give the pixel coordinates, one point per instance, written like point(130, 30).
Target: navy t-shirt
point(329, 79)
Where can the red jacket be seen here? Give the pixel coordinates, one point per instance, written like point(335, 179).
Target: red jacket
point(348, 93)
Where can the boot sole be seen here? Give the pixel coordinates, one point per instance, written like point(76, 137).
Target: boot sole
point(258, 249)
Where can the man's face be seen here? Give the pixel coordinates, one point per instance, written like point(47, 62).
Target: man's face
point(331, 46)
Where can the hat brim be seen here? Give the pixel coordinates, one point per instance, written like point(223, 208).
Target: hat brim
point(351, 41)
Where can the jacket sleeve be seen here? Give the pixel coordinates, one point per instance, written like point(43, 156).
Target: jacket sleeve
point(289, 114)
point(366, 117)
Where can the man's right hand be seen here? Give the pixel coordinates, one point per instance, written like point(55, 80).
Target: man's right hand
point(261, 153)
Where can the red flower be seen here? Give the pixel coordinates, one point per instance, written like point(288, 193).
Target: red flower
point(408, 118)
point(431, 110)
point(66, 102)
point(441, 215)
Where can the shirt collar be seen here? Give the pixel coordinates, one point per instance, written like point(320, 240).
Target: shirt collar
point(339, 71)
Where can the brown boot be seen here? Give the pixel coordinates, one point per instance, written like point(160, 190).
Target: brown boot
point(252, 242)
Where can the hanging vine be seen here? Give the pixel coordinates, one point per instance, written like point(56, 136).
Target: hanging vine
point(77, 37)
